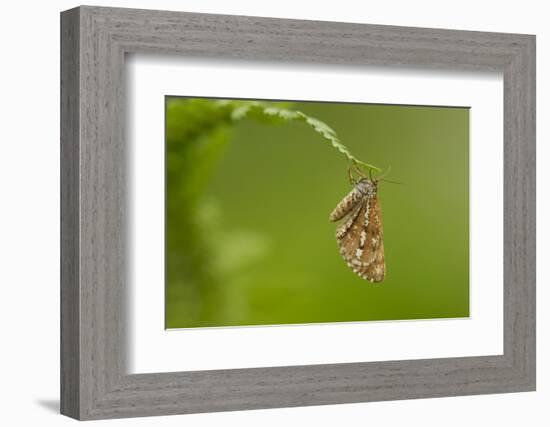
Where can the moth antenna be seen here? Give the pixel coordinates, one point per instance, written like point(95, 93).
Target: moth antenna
point(385, 173)
point(392, 182)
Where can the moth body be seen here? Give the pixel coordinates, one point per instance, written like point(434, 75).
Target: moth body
point(360, 235)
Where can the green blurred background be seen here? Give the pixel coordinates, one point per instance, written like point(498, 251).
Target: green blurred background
point(248, 240)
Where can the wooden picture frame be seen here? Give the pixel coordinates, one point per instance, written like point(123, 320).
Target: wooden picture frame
point(94, 382)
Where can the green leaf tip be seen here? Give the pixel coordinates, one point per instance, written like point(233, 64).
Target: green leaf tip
point(240, 110)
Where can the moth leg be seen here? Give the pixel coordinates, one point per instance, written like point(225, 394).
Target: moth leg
point(350, 176)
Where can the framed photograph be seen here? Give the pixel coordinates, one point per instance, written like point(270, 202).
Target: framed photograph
point(261, 213)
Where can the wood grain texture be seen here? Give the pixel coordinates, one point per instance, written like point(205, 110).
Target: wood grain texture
point(94, 380)
point(70, 221)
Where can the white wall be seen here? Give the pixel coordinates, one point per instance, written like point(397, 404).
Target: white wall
point(29, 212)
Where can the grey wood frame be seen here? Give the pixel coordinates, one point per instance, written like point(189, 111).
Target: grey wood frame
point(94, 382)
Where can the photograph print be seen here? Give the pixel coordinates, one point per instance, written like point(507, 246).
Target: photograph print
point(282, 212)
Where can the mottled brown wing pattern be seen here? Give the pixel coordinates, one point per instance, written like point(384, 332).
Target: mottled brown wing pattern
point(346, 205)
point(361, 239)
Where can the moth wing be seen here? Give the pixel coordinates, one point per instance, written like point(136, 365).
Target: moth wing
point(347, 205)
point(361, 241)
point(349, 222)
point(373, 254)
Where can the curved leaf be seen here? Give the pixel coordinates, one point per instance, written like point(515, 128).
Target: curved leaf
point(254, 109)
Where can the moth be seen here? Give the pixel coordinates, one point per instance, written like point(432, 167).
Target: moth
point(360, 236)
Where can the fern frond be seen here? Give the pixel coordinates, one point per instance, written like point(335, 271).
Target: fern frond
point(258, 110)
